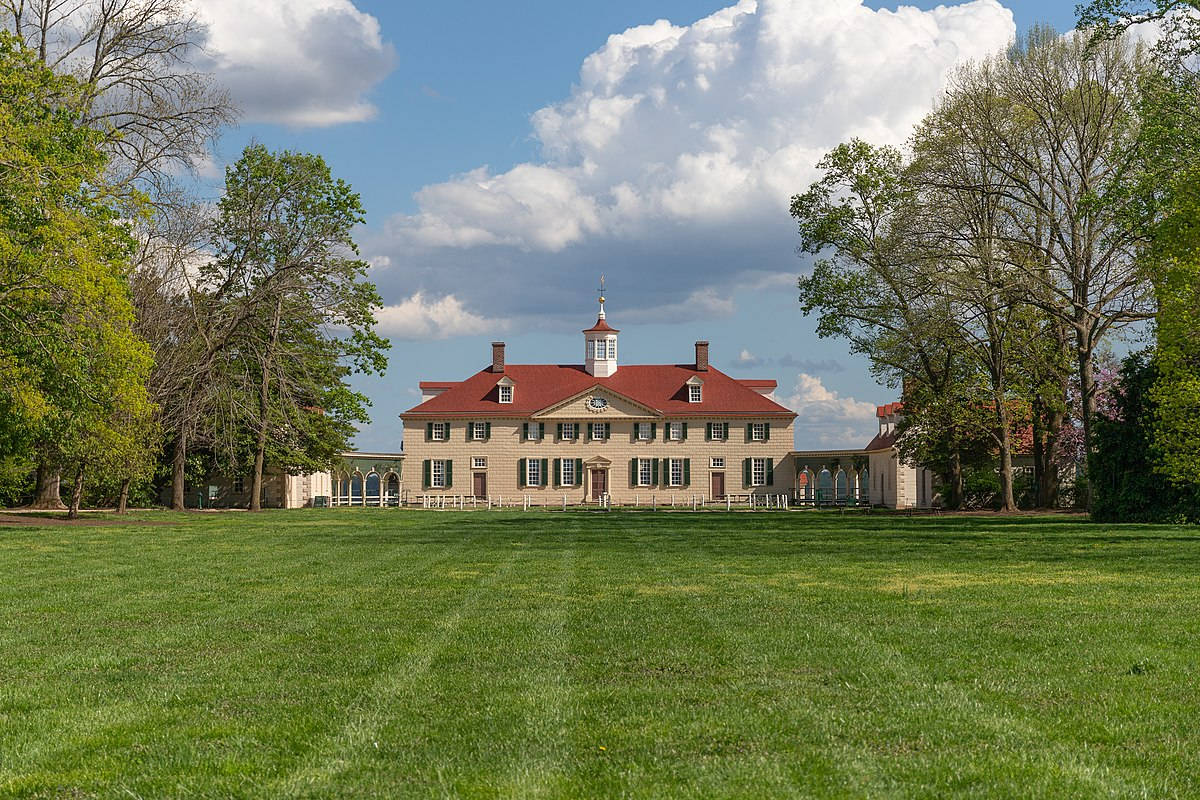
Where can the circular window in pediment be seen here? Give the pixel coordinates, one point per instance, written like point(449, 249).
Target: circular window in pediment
point(597, 403)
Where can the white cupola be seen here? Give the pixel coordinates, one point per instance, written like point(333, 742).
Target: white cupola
point(600, 344)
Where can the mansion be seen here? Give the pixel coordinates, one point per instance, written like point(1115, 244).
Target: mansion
point(582, 433)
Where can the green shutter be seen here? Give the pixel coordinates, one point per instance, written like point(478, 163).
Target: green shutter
point(654, 472)
point(771, 472)
point(521, 473)
point(746, 473)
point(543, 476)
point(449, 473)
point(487, 430)
point(558, 472)
point(524, 431)
point(633, 476)
point(724, 430)
point(708, 431)
point(428, 431)
point(767, 433)
point(426, 466)
point(749, 431)
point(653, 431)
point(590, 432)
point(559, 432)
point(579, 472)
point(687, 472)
point(684, 436)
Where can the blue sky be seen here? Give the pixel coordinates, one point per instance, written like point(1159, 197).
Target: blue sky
point(508, 154)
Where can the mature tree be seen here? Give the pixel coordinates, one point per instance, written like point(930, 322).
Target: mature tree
point(292, 293)
point(1058, 121)
point(876, 287)
point(67, 350)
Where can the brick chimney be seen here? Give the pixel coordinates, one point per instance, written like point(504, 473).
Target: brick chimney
point(497, 356)
point(702, 356)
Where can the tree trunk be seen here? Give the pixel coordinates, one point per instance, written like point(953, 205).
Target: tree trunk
point(1087, 397)
point(76, 494)
point(955, 500)
point(1004, 437)
point(123, 497)
point(1039, 453)
point(264, 409)
point(49, 489)
point(179, 471)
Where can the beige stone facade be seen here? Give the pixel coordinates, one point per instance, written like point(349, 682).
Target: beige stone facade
point(499, 464)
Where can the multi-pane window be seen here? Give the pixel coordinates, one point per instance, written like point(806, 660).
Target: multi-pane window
point(758, 471)
point(676, 477)
point(437, 474)
point(599, 431)
point(718, 430)
point(643, 431)
point(643, 472)
point(694, 393)
point(718, 462)
point(506, 394)
point(568, 471)
point(479, 431)
point(675, 431)
point(479, 462)
point(612, 348)
point(439, 431)
point(758, 432)
point(239, 484)
point(533, 431)
point(533, 472)
point(570, 430)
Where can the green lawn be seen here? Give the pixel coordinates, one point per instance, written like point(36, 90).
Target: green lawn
point(405, 654)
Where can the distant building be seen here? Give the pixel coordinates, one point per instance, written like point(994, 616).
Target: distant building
point(599, 429)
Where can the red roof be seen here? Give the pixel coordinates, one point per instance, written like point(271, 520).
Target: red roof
point(601, 325)
point(889, 409)
point(660, 387)
point(882, 441)
point(757, 384)
point(437, 384)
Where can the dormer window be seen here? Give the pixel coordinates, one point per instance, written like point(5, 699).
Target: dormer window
point(504, 390)
point(694, 393)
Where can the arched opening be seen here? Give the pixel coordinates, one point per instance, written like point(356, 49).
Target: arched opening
point(804, 484)
point(373, 497)
point(343, 491)
point(824, 486)
point(864, 486)
point(841, 485)
point(356, 489)
point(392, 487)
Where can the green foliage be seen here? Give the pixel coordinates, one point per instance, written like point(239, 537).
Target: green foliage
point(73, 372)
point(1128, 487)
point(288, 285)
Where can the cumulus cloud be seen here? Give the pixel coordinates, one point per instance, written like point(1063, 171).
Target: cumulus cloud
point(419, 317)
point(747, 359)
point(826, 419)
point(297, 62)
point(671, 162)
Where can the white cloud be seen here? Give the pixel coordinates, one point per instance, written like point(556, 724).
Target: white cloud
point(420, 318)
point(671, 163)
point(826, 419)
point(297, 62)
point(747, 359)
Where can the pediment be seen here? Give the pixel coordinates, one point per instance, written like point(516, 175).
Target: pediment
point(597, 461)
point(581, 406)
